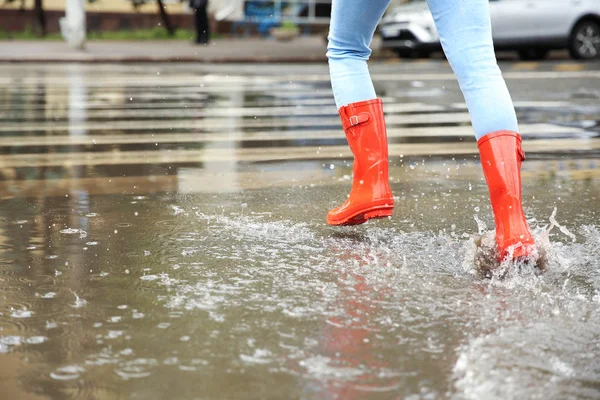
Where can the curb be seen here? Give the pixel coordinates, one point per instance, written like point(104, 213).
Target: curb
point(184, 59)
point(217, 60)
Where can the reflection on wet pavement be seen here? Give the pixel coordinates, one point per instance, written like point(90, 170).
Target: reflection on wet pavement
point(162, 235)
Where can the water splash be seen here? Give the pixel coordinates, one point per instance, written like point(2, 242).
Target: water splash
point(563, 229)
point(73, 231)
point(79, 302)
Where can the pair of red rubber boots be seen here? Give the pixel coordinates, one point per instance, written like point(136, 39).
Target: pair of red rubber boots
point(371, 196)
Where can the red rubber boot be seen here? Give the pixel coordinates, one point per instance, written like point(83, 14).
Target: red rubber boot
point(501, 157)
point(371, 196)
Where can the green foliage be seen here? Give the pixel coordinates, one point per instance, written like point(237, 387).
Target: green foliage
point(289, 26)
point(27, 34)
point(157, 33)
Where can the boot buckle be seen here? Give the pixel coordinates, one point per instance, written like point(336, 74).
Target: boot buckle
point(359, 119)
point(354, 121)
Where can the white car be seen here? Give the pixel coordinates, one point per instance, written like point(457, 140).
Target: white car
point(531, 27)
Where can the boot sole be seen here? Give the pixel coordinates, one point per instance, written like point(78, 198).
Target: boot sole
point(521, 253)
point(363, 216)
point(521, 250)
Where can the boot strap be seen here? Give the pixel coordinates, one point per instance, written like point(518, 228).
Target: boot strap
point(520, 152)
point(355, 120)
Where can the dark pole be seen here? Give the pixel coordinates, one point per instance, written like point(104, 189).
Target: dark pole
point(40, 18)
point(164, 17)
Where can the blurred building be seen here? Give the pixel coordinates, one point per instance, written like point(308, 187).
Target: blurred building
point(101, 15)
point(111, 15)
point(233, 10)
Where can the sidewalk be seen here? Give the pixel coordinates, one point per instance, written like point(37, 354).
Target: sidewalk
point(303, 49)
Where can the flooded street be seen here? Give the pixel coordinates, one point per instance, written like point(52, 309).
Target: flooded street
point(162, 235)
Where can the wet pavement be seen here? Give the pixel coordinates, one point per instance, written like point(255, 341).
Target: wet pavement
point(162, 235)
point(303, 49)
point(247, 49)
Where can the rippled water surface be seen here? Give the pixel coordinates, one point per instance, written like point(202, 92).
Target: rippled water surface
point(218, 278)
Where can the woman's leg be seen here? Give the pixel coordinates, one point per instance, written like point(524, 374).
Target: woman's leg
point(466, 36)
point(353, 23)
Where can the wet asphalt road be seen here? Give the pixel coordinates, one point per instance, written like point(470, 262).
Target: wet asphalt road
point(162, 236)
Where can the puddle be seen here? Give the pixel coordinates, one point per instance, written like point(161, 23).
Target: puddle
point(205, 266)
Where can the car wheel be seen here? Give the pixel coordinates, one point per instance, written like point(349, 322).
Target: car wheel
point(421, 54)
point(532, 54)
point(584, 43)
point(410, 53)
point(404, 53)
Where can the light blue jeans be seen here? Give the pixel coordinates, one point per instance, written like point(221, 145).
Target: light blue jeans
point(466, 36)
